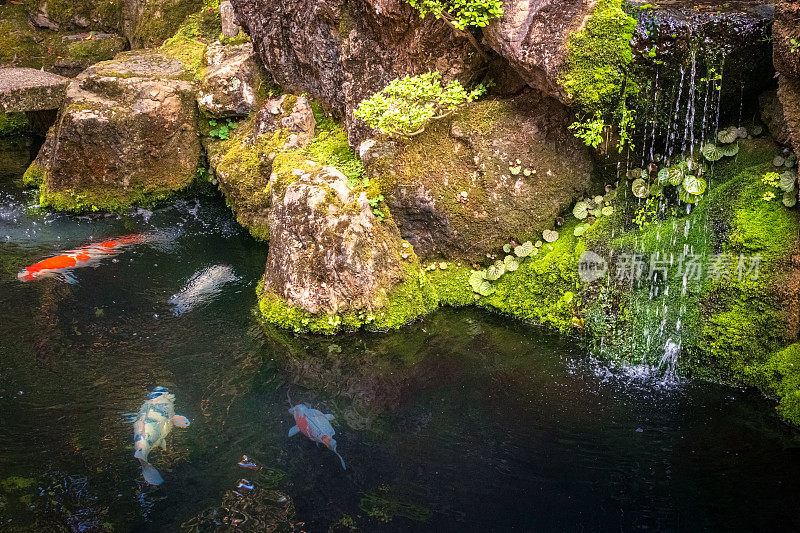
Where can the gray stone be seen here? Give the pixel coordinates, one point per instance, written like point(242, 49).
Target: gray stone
point(40, 19)
point(230, 83)
point(298, 120)
point(771, 113)
point(328, 252)
point(340, 53)
point(127, 129)
point(230, 26)
point(29, 89)
point(371, 150)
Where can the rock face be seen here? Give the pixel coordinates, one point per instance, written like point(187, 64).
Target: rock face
point(328, 252)
point(290, 113)
point(785, 56)
point(243, 163)
point(126, 134)
point(66, 15)
point(230, 84)
point(533, 34)
point(771, 113)
point(675, 39)
point(342, 52)
point(499, 170)
point(28, 89)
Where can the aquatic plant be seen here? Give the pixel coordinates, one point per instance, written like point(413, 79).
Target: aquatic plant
point(694, 185)
point(550, 235)
point(581, 210)
point(495, 271)
point(524, 250)
point(403, 107)
point(479, 284)
point(511, 264)
point(712, 152)
point(640, 188)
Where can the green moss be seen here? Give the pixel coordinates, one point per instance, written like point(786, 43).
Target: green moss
point(161, 20)
point(420, 293)
point(190, 52)
point(15, 483)
point(544, 290)
point(34, 176)
point(331, 147)
point(598, 58)
point(98, 198)
point(781, 376)
point(13, 124)
point(596, 73)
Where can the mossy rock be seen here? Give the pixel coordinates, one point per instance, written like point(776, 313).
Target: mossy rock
point(451, 190)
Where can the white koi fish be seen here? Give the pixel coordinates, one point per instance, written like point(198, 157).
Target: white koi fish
point(151, 427)
point(201, 286)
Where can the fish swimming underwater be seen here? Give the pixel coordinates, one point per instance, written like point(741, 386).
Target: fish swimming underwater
point(200, 287)
point(153, 423)
point(315, 425)
point(61, 266)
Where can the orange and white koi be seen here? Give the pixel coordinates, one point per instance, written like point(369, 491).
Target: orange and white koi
point(60, 266)
point(315, 425)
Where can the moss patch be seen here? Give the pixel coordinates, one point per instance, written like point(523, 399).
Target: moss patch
point(97, 198)
point(419, 294)
point(544, 290)
point(34, 176)
point(13, 124)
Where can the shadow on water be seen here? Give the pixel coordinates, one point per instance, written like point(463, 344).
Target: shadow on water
point(462, 421)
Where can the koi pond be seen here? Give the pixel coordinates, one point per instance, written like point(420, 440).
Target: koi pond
point(462, 421)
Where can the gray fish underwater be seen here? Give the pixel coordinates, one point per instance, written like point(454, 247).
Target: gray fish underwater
point(201, 287)
point(153, 423)
point(315, 425)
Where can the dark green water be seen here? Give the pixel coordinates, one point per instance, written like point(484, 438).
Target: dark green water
point(461, 422)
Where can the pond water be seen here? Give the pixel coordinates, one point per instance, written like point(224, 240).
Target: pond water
point(461, 421)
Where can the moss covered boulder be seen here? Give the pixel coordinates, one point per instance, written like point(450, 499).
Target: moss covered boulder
point(498, 170)
point(243, 163)
point(329, 254)
point(127, 134)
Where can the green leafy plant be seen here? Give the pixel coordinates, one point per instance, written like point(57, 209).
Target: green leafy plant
point(460, 14)
point(590, 131)
point(221, 129)
point(405, 106)
point(374, 203)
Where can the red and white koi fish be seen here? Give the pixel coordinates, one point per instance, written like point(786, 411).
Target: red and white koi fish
point(60, 266)
point(315, 425)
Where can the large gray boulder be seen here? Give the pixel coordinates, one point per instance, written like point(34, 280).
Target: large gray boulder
point(533, 34)
point(126, 135)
